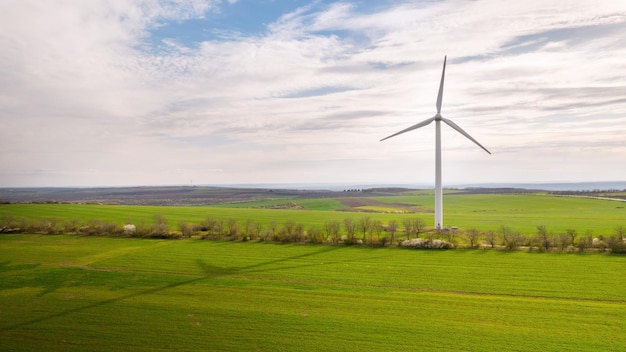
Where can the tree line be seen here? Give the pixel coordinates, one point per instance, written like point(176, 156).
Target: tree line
point(366, 231)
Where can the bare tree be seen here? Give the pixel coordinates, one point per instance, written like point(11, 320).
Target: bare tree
point(413, 227)
point(408, 227)
point(392, 227)
point(364, 225)
point(186, 229)
point(564, 240)
point(515, 240)
point(450, 234)
point(544, 239)
point(219, 229)
point(491, 238)
point(585, 241)
point(159, 226)
point(376, 227)
point(10, 221)
point(616, 243)
point(141, 229)
point(298, 232)
point(289, 228)
point(472, 236)
point(258, 229)
point(620, 231)
point(70, 226)
point(213, 227)
point(273, 228)
point(505, 231)
point(511, 239)
point(232, 228)
point(350, 227)
point(206, 224)
point(314, 235)
point(418, 226)
point(332, 229)
point(572, 234)
point(249, 230)
point(253, 229)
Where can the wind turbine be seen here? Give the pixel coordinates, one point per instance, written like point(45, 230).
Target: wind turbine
point(438, 118)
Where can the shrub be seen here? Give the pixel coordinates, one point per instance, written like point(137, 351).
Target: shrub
point(186, 229)
point(350, 228)
point(71, 226)
point(298, 235)
point(142, 230)
point(349, 241)
point(232, 229)
point(426, 244)
point(129, 229)
point(315, 235)
point(383, 241)
point(51, 226)
point(512, 240)
point(253, 229)
point(9, 221)
point(583, 243)
point(332, 229)
point(97, 227)
point(289, 232)
point(599, 243)
point(616, 244)
point(564, 240)
point(159, 228)
point(283, 236)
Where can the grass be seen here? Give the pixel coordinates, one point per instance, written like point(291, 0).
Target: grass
point(324, 204)
point(75, 293)
point(175, 214)
point(482, 211)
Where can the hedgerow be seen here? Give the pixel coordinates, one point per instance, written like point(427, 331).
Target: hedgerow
point(370, 233)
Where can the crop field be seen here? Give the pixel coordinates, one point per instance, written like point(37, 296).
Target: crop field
point(521, 212)
point(77, 293)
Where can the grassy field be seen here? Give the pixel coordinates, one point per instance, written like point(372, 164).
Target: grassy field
point(521, 213)
point(73, 293)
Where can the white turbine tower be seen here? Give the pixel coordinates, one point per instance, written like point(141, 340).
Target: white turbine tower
point(438, 118)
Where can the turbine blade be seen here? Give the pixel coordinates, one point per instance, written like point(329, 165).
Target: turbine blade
point(416, 126)
point(460, 130)
point(440, 95)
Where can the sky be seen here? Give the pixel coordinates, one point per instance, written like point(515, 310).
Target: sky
point(210, 92)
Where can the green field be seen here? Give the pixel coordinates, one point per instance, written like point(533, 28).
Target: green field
point(76, 293)
point(485, 212)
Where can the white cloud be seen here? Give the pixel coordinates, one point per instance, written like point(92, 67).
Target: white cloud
point(307, 100)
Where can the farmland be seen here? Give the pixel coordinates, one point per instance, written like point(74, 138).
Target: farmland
point(521, 212)
point(75, 293)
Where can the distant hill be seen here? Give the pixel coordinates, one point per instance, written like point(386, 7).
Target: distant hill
point(204, 195)
point(173, 195)
point(554, 186)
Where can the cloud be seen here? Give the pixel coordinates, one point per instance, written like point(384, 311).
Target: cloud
point(91, 86)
